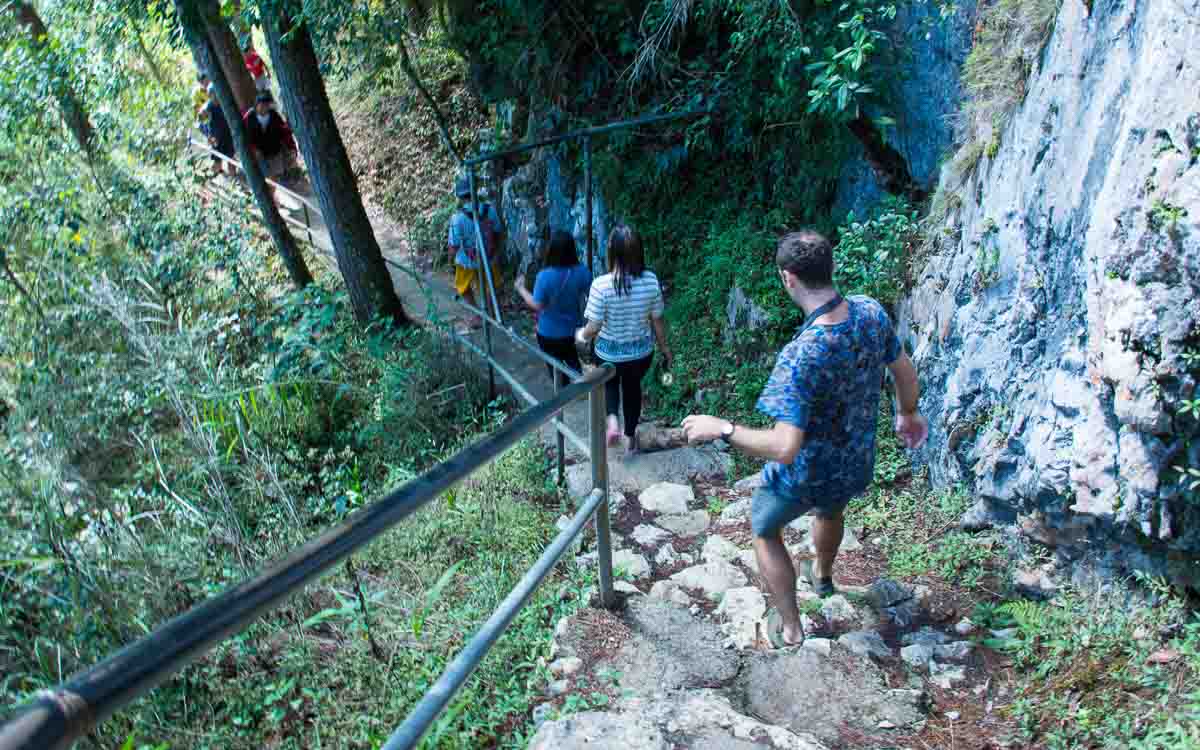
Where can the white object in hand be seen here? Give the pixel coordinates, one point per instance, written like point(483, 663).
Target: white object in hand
point(667, 379)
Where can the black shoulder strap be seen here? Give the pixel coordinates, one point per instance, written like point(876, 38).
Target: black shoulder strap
point(824, 309)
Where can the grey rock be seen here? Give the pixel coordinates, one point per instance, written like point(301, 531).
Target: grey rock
point(669, 650)
point(918, 655)
point(839, 612)
point(822, 646)
point(946, 676)
point(866, 643)
point(807, 692)
point(625, 587)
point(566, 666)
point(750, 483)
point(925, 636)
point(1006, 634)
point(884, 592)
point(956, 651)
point(648, 535)
point(709, 722)
point(686, 524)
point(557, 688)
point(953, 715)
point(636, 473)
point(712, 578)
point(850, 541)
point(595, 730)
point(667, 498)
point(743, 313)
point(965, 627)
point(631, 562)
point(735, 511)
point(718, 548)
point(744, 611)
point(1035, 584)
point(666, 555)
point(670, 591)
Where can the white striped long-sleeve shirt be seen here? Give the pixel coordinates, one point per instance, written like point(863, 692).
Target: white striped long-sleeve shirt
point(625, 333)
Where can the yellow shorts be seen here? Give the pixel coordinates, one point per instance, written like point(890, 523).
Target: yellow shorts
point(466, 278)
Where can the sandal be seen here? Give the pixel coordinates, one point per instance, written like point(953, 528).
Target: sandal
point(775, 631)
point(822, 587)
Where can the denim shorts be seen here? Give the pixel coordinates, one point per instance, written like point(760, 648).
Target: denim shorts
point(770, 512)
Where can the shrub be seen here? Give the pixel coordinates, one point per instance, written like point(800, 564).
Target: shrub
point(872, 256)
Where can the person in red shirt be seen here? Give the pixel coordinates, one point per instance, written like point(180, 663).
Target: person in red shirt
point(258, 69)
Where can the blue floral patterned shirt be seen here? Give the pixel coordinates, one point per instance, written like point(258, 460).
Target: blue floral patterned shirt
point(827, 382)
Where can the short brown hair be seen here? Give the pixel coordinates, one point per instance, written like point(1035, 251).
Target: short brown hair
point(808, 255)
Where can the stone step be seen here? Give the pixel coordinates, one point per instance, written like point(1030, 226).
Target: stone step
point(696, 719)
point(633, 474)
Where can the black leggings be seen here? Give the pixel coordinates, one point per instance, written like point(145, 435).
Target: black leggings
point(564, 351)
point(627, 385)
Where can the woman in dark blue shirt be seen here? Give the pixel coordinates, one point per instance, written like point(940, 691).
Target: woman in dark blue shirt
point(556, 296)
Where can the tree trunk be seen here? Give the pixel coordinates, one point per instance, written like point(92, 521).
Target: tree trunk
point(888, 164)
point(73, 112)
point(195, 29)
point(228, 54)
point(359, 257)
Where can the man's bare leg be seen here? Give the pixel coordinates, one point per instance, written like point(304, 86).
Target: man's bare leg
point(827, 537)
point(775, 565)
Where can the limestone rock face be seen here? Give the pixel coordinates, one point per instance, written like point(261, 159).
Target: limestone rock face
point(1053, 323)
point(546, 193)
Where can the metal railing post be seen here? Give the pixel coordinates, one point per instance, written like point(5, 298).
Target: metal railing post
point(599, 444)
point(559, 440)
point(307, 222)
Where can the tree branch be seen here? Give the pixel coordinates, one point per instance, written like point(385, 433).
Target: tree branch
point(407, 66)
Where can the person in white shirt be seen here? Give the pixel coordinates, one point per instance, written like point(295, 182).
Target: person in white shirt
point(625, 315)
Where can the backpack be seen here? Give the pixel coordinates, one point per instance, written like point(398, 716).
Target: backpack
point(488, 229)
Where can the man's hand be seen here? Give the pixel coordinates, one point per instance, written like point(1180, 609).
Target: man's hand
point(912, 429)
point(701, 428)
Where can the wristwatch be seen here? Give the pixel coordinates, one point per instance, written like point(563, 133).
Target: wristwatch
point(727, 430)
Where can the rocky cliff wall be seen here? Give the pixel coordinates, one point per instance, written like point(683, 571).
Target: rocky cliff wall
point(1057, 325)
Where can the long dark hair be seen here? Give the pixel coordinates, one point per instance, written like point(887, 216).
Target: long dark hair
point(626, 258)
point(560, 250)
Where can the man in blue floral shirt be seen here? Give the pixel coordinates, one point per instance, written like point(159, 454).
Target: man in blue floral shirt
point(824, 397)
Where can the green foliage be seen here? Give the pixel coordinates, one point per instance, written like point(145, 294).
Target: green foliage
point(1100, 672)
point(872, 256)
point(1164, 216)
point(916, 529)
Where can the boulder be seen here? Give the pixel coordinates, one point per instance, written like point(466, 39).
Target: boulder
point(667, 498)
point(648, 535)
point(866, 643)
point(806, 691)
point(719, 549)
point(745, 611)
point(686, 524)
point(714, 578)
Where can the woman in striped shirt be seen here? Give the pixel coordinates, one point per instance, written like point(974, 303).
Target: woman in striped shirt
point(625, 310)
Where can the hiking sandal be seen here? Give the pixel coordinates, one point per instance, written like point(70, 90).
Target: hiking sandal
point(775, 631)
point(822, 587)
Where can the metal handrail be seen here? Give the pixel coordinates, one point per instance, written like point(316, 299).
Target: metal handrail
point(229, 160)
point(56, 718)
point(583, 133)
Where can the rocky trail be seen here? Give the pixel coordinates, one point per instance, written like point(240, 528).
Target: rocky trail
point(685, 662)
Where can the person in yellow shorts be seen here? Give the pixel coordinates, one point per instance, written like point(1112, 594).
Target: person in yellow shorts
point(464, 253)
